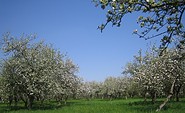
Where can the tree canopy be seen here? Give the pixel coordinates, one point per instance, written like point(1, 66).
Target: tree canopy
point(35, 71)
point(163, 16)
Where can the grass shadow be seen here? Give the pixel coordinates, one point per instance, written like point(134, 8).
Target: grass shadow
point(36, 106)
point(148, 106)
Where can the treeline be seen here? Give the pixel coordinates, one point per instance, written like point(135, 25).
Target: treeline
point(156, 73)
point(34, 71)
point(150, 75)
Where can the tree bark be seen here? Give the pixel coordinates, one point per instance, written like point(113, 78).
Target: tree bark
point(24, 99)
point(177, 92)
point(153, 97)
point(10, 99)
point(30, 101)
point(169, 96)
point(16, 100)
point(145, 96)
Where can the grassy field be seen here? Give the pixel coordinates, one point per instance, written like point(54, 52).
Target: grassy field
point(99, 106)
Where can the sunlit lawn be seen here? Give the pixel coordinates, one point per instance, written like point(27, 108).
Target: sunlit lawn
point(98, 106)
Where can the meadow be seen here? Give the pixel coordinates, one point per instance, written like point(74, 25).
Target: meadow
point(98, 106)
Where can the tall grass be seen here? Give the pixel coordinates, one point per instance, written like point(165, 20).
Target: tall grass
point(98, 106)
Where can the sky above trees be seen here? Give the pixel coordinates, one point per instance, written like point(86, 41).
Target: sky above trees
point(71, 26)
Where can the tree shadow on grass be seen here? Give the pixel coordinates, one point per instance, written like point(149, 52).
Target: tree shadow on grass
point(148, 106)
point(36, 106)
point(143, 106)
point(3, 108)
point(48, 105)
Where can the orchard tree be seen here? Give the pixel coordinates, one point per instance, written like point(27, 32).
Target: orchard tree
point(148, 75)
point(96, 88)
point(159, 74)
point(116, 87)
point(135, 70)
point(66, 81)
point(34, 70)
point(85, 90)
point(163, 16)
point(109, 87)
point(173, 73)
point(121, 86)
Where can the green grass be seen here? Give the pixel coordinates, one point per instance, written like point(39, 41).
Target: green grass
point(99, 106)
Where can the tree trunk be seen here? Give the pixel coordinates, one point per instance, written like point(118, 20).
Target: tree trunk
point(23, 98)
point(153, 97)
point(177, 92)
point(169, 96)
point(16, 100)
point(10, 99)
point(42, 101)
point(145, 96)
point(30, 101)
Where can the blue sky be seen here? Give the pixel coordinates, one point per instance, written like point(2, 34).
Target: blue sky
point(71, 26)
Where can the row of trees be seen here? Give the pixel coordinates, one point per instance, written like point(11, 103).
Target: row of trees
point(35, 71)
point(163, 19)
point(111, 88)
point(150, 75)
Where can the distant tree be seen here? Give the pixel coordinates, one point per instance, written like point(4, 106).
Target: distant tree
point(164, 17)
point(96, 88)
point(110, 87)
point(117, 87)
point(85, 90)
